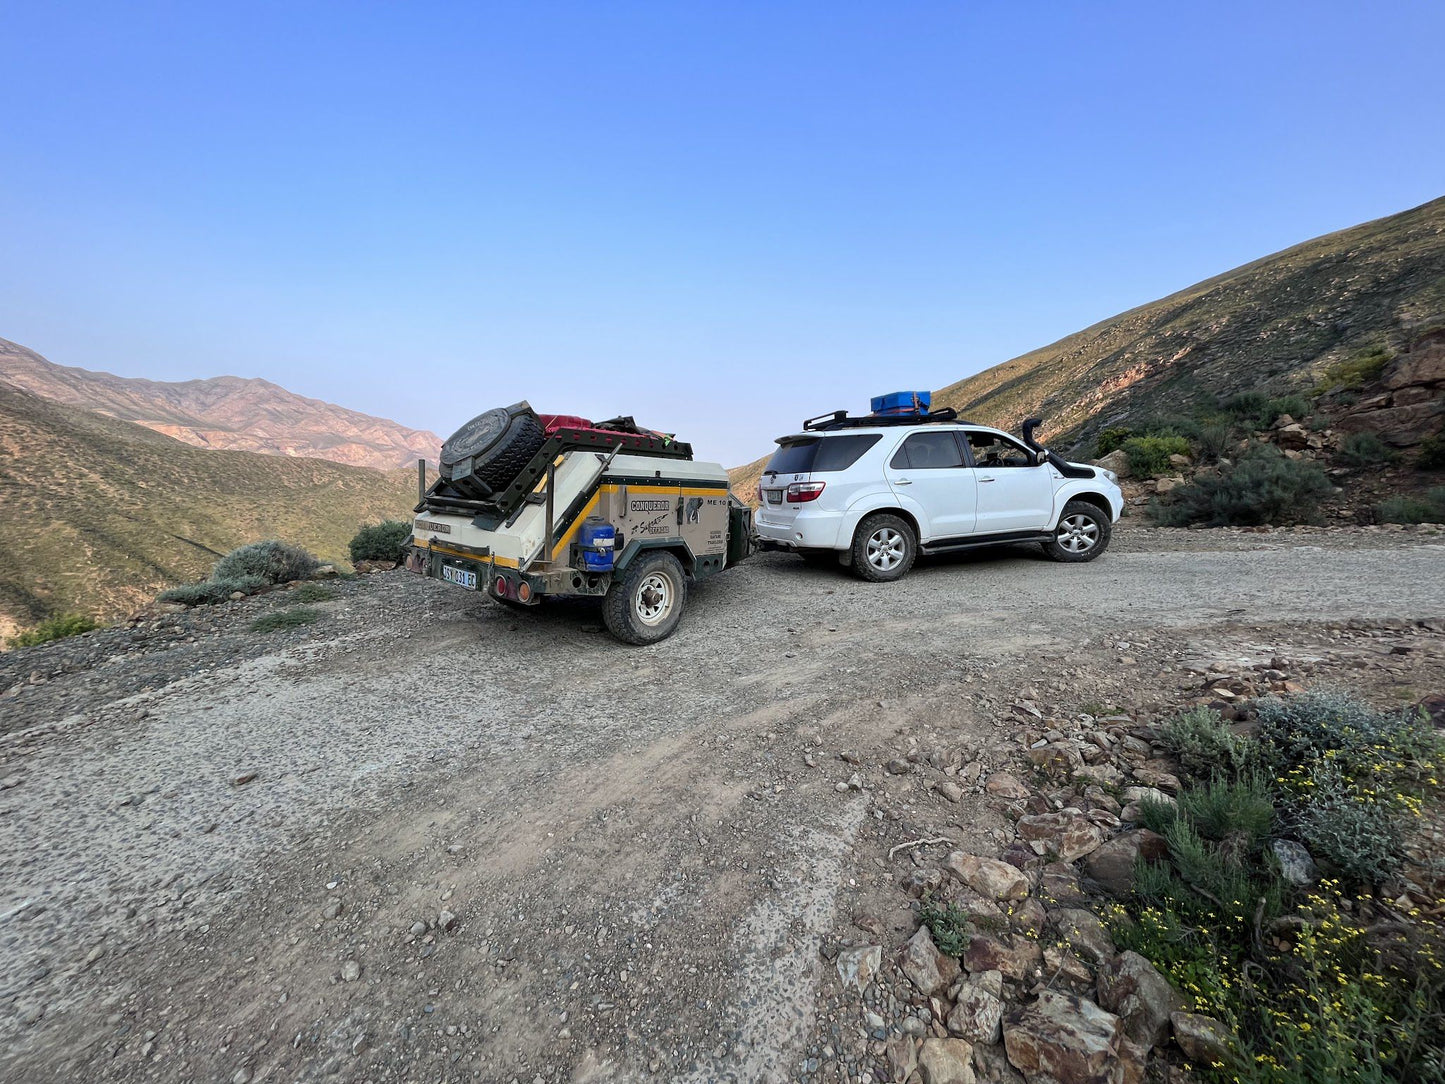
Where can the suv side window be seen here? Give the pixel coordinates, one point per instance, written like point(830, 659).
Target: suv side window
point(927, 451)
point(993, 450)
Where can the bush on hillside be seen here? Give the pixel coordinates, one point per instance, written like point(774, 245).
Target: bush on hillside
point(1149, 456)
point(1263, 486)
point(1111, 439)
point(57, 628)
point(1255, 410)
point(286, 619)
point(1354, 373)
point(1364, 450)
point(380, 541)
point(1427, 509)
point(1213, 441)
point(210, 592)
point(272, 561)
point(1432, 453)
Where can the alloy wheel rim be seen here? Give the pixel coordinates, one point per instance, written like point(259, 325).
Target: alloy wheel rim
point(885, 549)
point(1077, 533)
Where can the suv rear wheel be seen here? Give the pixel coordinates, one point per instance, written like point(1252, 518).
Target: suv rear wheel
point(884, 548)
point(645, 603)
point(1082, 534)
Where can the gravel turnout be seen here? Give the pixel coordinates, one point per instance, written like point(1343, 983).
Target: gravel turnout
point(419, 836)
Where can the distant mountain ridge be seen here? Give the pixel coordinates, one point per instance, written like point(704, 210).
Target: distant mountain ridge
point(225, 412)
point(97, 514)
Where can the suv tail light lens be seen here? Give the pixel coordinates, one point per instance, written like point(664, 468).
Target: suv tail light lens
point(802, 492)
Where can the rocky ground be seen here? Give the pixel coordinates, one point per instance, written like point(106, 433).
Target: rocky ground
point(428, 838)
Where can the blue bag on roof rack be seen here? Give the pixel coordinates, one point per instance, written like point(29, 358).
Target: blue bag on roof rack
point(901, 402)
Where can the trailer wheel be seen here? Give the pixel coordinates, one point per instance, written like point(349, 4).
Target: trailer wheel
point(645, 604)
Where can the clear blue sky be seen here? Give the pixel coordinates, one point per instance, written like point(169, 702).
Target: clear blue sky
point(720, 217)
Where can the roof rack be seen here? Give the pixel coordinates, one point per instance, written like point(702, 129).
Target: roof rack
point(840, 419)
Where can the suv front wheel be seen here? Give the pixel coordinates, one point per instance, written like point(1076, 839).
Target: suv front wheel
point(884, 548)
point(1082, 534)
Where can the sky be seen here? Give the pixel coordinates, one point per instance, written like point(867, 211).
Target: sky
point(718, 217)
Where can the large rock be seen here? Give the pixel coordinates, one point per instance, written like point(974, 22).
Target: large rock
point(1017, 957)
point(1084, 932)
point(1402, 426)
point(857, 966)
point(1424, 364)
point(1202, 1038)
point(1134, 991)
point(1295, 864)
point(1064, 1039)
point(1116, 461)
point(988, 876)
point(946, 1061)
point(1004, 785)
point(1112, 864)
point(926, 967)
point(902, 1054)
point(1058, 758)
point(978, 1009)
point(1066, 835)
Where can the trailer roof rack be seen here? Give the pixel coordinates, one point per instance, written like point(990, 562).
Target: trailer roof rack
point(840, 419)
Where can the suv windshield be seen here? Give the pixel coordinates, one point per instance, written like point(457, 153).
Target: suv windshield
point(803, 455)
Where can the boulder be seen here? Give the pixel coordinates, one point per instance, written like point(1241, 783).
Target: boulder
point(1067, 834)
point(925, 966)
point(1295, 864)
point(978, 1009)
point(1116, 461)
point(1202, 1038)
point(988, 876)
point(1067, 971)
point(946, 1061)
point(1293, 435)
point(1084, 932)
point(1065, 1039)
point(1059, 885)
point(902, 1054)
point(1133, 990)
point(1004, 785)
point(1402, 426)
point(1017, 958)
point(990, 1066)
point(1058, 758)
point(1424, 364)
point(857, 966)
point(1112, 864)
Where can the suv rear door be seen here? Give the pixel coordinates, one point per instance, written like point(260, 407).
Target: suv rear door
point(806, 461)
point(930, 478)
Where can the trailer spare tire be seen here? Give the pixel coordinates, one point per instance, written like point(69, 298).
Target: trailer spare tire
point(490, 450)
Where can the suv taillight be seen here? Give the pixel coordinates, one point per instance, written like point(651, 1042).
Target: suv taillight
point(802, 492)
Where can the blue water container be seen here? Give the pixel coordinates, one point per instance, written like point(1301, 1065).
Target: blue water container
point(599, 543)
point(902, 402)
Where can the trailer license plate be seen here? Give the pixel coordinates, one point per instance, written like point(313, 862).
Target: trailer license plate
point(460, 576)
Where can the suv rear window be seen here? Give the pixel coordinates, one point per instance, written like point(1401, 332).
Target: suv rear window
point(819, 454)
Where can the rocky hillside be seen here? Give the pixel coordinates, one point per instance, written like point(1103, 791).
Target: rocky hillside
point(225, 412)
point(96, 514)
point(1275, 326)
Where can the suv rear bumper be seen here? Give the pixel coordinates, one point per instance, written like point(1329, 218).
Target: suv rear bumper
point(808, 530)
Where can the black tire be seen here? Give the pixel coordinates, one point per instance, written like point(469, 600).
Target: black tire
point(1082, 533)
point(633, 598)
point(488, 452)
point(884, 548)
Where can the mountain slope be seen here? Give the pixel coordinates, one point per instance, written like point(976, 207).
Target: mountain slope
point(97, 514)
point(1272, 325)
point(225, 412)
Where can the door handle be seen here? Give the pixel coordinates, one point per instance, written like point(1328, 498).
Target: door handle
point(902, 482)
point(982, 480)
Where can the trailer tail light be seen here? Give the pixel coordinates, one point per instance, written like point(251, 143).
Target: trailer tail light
point(802, 492)
point(524, 591)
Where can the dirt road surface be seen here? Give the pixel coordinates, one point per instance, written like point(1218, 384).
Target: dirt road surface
point(428, 838)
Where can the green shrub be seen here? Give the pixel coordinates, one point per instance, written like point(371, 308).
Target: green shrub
point(286, 619)
point(56, 628)
point(1149, 456)
point(1348, 828)
point(1213, 441)
point(210, 592)
point(949, 926)
point(311, 592)
point(380, 541)
point(1432, 453)
point(1363, 450)
point(1263, 486)
point(1237, 812)
point(1355, 372)
point(1111, 439)
point(1204, 745)
point(272, 561)
point(1427, 509)
point(1255, 410)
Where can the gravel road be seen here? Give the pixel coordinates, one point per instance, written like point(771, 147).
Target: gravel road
point(430, 838)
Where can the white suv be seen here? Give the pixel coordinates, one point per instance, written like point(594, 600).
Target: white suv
point(875, 491)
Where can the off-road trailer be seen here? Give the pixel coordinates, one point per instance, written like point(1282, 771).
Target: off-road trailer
point(531, 505)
